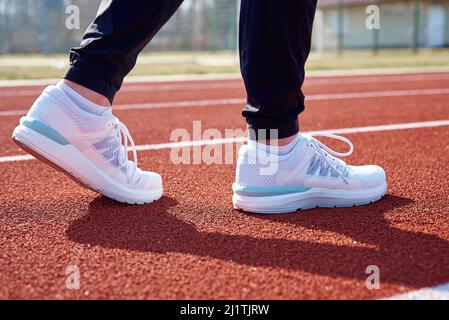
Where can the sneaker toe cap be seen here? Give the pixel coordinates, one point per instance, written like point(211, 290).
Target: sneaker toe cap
point(151, 180)
point(370, 176)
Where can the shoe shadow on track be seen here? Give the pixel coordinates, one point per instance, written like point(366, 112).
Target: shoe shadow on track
point(404, 257)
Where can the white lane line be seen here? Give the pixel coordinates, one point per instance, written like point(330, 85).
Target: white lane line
point(181, 104)
point(16, 158)
point(439, 292)
point(182, 87)
point(142, 88)
point(193, 77)
point(8, 113)
point(241, 101)
point(156, 105)
point(183, 144)
point(387, 127)
point(377, 79)
point(238, 84)
point(376, 73)
point(378, 94)
point(20, 93)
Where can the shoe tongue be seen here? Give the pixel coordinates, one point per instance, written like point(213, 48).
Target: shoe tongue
point(301, 140)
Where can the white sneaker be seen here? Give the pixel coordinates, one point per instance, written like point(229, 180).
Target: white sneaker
point(92, 149)
point(306, 177)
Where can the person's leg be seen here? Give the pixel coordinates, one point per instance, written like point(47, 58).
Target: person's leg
point(112, 42)
point(71, 127)
point(274, 44)
point(289, 171)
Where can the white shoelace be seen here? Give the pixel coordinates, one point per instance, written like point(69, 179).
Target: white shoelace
point(124, 136)
point(324, 150)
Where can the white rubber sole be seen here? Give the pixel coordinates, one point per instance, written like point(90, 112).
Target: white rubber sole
point(313, 198)
point(71, 161)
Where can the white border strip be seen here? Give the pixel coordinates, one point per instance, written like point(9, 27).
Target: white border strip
point(147, 87)
point(439, 292)
point(183, 144)
point(230, 76)
point(241, 101)
point(135, 79)
point(236, 83)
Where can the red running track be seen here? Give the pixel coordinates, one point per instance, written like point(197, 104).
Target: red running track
point(193, 245)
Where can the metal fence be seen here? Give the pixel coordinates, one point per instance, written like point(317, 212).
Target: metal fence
point(342, 24)
point(39, 26)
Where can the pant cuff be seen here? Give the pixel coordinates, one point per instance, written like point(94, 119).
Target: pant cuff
point(89, 81)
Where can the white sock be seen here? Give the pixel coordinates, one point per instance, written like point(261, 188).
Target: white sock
point(274, 149)
point(83, 102)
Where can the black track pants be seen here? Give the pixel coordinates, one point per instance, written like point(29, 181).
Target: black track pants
point(275, 40)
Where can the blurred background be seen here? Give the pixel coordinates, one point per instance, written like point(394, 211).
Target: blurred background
point(202, 37)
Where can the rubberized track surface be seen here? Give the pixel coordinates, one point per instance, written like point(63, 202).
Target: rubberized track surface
point(192, 244)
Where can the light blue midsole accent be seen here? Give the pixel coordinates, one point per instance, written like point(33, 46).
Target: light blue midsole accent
point(267, 191)
point(44, 130)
